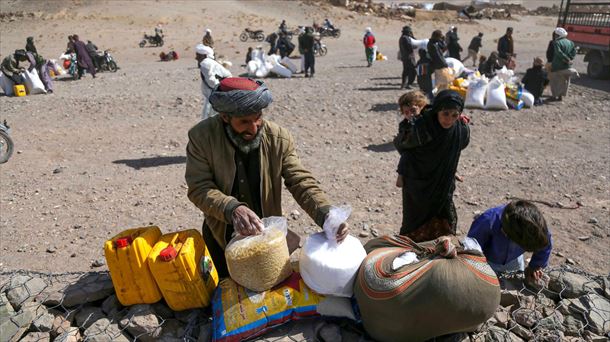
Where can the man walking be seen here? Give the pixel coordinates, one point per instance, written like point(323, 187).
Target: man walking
point(211, 73)
point(452, 43)
point(506, 48)
point(473, 49)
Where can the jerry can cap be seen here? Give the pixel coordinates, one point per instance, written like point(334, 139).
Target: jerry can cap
point(168, 253)
point(123, 242)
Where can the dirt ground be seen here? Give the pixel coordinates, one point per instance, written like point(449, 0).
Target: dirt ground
point(106, 154)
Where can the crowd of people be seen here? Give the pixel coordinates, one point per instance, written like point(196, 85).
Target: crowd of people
point(556, 71)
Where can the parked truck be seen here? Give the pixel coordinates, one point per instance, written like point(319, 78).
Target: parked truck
point(588, 26)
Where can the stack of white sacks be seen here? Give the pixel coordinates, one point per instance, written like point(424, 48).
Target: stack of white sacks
point(501, 92)
point(261, 65)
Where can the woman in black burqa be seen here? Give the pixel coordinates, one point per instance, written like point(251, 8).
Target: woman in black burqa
point(430, 149)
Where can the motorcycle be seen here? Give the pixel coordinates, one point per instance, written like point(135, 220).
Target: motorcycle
point(319, 48)
point(152, 40)
point(6, 143)
point(256, 35)
point(329, 32)
point(106, 62)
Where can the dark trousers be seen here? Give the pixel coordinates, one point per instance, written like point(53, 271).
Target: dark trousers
point(443, 223)
point(216, 252)
point(408, 73)
point(310, 62)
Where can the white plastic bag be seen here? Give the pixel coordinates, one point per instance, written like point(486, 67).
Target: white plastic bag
point(528, 98)
point(336, 216)
point(496, 98)
point(252, 66)
point(288, 64)
point(475, 96)
point(33, 82)
point(6, 84)
point(406, 258)
point(505, 75)
point(455, 65)
point(259, 262)
point(329, 268)
point(281, 71)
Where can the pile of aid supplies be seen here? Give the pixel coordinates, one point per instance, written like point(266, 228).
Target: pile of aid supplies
point(388, 286)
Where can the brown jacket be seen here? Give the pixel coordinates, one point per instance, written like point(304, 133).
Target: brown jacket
point(210, 172)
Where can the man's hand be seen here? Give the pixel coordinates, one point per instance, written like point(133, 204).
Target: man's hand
point(342, 232)
point(533, 274)
point(464, 119)
point(246, 222)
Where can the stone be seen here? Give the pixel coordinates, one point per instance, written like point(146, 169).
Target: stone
point(330, 332)
point(162, 310)
point(502, 319)
point(598, 313)
point(187, 315)
point(552, 322)
point(111, 306)
point(571, 285)
point(6, 309)
point(363, 234)
point(36, 337)
point(205, 332)
point(142, 323)
point(522, 332)
point(606, 287)
point(44, 323)
point(13, 328)
point(87, 315)
point(526, 317)
point(172, 330)
point(550, 336)
point(89, 288)
point(103, 330)
point(61, 322)
point(23, 288)
point(72, 335)
point(573, 326)
point(497, 334)
point(508, 298)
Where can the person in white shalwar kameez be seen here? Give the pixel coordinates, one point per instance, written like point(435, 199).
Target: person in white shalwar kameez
point(211, 73)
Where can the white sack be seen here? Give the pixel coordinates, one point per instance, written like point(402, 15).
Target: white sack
point(281, 71)
point(505, 75)
point(33, 82)
point(273, 59)
point(475, 96)
point(420, 43)
point(262, 71)
point(455, 65)
point(288, 64)
point(496, 98)
point(329, 268)
point(6, 84)
point(252, 66)
point(528, 98)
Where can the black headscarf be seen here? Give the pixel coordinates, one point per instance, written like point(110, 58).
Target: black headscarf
point(429, 173)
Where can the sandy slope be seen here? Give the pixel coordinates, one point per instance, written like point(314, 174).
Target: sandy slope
point(117, 142)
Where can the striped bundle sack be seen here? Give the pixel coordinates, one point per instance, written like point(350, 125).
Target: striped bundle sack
point(442, 289)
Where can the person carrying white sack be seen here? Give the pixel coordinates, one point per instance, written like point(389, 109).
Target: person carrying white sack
point(211, 73)
point(563, 57)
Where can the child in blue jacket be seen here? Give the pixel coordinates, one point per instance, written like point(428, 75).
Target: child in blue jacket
point(507, 231)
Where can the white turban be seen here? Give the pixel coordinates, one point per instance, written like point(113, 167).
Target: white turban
point(208, 31)
point(368, 29)
point(561, 32)
point(204, 50)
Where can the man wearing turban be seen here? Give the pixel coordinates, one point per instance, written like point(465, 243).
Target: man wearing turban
point(211, 73)
point(235, 163)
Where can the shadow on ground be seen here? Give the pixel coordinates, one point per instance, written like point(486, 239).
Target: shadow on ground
point(586, 81)
point(385, 147)
point(151, 162)
point(385, 107)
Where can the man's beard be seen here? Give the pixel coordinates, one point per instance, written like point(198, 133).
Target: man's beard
point(246, 146)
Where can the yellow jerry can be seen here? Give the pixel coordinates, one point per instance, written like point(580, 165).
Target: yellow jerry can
point(183, 269)
point(19, 90)
point(126, 255)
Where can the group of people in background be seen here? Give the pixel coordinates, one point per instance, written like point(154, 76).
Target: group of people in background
point(13, 68)
point(557, 71)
